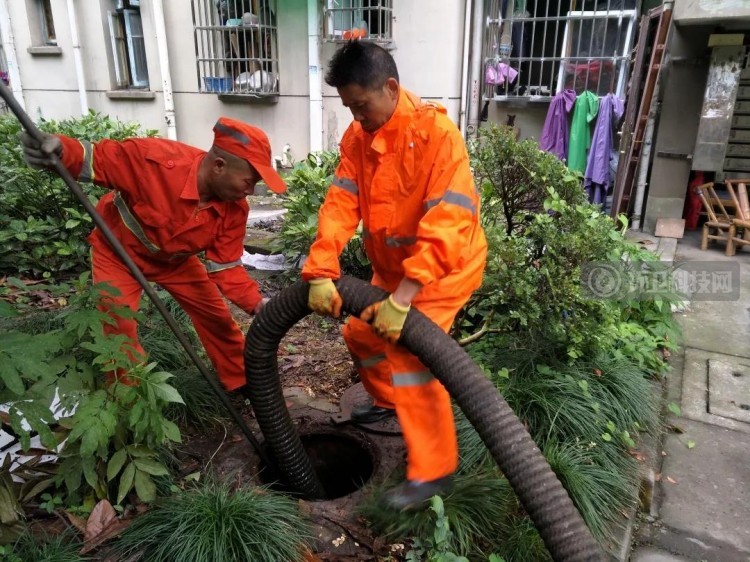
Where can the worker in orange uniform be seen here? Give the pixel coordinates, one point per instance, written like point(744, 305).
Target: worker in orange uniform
point(404, 173)
point(169, 202)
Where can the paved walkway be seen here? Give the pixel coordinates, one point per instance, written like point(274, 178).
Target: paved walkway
point(701, 508)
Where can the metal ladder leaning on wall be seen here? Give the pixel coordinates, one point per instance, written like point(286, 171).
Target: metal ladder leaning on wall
point(636, 114)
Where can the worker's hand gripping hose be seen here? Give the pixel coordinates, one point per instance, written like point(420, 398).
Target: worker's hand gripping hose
point(543, 497)
point(32, 130)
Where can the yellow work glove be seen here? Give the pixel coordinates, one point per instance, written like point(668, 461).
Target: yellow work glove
point(324, 298)
point(387, 318)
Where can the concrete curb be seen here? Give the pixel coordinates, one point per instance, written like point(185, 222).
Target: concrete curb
point(666, 250)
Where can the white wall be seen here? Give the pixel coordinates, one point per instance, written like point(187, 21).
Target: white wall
point(427, 36)
point(710, 11)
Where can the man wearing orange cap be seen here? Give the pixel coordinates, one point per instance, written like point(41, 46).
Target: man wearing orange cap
point(169, 202)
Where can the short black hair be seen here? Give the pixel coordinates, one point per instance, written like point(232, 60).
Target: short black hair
point(363, 63)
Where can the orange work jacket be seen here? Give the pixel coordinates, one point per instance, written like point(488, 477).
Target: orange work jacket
point(411, 185)
point(154, 208)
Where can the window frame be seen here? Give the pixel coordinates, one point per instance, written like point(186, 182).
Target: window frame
point(46, 20)
point(383, 11)
point(536, 44)
point(620, 58)
point(235, 57)
point(124, 55)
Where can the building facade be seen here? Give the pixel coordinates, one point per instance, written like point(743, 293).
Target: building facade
point(176, 65)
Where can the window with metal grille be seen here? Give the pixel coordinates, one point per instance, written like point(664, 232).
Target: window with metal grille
point(235, 46)
point(358, 19)
point(128, 45)
point(533, 49)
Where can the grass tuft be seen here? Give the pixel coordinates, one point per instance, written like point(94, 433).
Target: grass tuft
point(212, 522)
point(478, 508)
point(202, 408)
point(60, 548)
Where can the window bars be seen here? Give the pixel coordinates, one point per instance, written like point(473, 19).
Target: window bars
point(533, 49)
point(235, 46)
point(358, 19)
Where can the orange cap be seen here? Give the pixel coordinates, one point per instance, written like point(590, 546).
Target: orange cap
point(250, 144)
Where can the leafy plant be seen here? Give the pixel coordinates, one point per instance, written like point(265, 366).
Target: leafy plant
point(109, 432)
point(44, 227)
point(514, 178)
point(212, 522)
point(475, 511)
point(50, 503)
point(436, 549)
point(307, 186)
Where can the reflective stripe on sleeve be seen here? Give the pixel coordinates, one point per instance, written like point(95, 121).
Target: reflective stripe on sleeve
point(412, 379)
point(87, 167)
point(213, 266)
point(369, 362)
point(398, 241)
point(453, 198)
point(346, 185)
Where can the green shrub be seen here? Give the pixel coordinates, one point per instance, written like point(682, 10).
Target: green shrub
point(111, 432)
point(307, 186)
point(212, 522)
point(540, 234)
point(43, 226)
point(514, 178)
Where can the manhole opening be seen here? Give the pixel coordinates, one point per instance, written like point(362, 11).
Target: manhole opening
point(343, 464)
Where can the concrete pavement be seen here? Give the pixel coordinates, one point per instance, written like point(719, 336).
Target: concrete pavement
point(701, 509)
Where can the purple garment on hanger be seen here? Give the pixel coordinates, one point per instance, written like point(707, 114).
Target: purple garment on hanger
point(555, 132)
point(596, 181)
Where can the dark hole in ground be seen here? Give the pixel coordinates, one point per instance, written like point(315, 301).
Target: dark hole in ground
point(343, 464)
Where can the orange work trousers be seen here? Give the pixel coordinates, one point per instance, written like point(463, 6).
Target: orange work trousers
point(397, 379)
point(190, 286)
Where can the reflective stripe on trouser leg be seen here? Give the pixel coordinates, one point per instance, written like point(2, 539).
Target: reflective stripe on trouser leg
point(368, 352)
point(199, 297)
point(424, 411)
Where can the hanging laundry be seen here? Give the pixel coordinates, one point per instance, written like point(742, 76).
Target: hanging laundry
point(497, 73)
point(586, 108)
point(597, 168)
point(555, 132)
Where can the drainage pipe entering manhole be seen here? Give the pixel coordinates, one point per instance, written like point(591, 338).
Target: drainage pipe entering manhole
point(342, 464)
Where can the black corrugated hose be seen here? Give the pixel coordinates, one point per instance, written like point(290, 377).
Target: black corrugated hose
point(543, 497)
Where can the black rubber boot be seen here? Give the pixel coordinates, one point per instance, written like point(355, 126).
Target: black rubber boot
point(370, 413)
point(412, 495)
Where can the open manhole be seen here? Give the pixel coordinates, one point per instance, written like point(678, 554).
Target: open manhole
point(343, 464)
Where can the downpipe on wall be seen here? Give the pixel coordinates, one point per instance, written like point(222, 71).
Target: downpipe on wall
point(313, 63)
point(462, 116)
point(9, 48)
point(166, 75)
point(475, 77)
point(77, 57)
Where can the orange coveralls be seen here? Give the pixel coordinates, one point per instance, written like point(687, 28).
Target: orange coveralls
point(154, 211)
point(411, 185)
